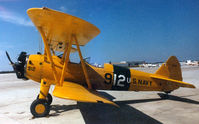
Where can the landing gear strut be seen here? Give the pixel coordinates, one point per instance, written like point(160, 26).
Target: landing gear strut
point(48, 98)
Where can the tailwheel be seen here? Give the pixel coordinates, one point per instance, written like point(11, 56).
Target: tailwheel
point(166, 95)
point(40, 108)
point(167, 92)
point(49, 98)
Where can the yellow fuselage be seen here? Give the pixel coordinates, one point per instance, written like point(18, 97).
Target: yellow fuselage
point(110, 77)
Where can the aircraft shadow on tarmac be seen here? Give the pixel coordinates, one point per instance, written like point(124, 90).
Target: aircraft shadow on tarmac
point(108, 114)
point(57, 109)
point(180, 99)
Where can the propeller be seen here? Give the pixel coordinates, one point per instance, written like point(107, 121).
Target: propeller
point(12, 63)
point(19, 66)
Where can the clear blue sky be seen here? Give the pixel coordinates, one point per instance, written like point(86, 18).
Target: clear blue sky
point(150, 30)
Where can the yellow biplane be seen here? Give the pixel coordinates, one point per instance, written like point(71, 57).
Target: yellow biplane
point(80, 81)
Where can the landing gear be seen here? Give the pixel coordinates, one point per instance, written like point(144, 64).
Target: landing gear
point(166, 95)
point(167, 92)
point(40, 108)
point(48, 98)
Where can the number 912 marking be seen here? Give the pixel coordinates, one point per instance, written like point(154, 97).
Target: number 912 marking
point(118, 80)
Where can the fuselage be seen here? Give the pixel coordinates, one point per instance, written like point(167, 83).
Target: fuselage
point(111, 77)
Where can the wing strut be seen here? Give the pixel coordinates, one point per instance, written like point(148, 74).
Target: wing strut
point(73, 37)
point(66, 61)
point(64, 54)
point(47, 50)
point(82, 62)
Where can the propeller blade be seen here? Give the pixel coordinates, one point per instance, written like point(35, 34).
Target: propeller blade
point(9, 58)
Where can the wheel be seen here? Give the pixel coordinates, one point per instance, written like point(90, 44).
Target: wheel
point(40, 108)
point(49, 98)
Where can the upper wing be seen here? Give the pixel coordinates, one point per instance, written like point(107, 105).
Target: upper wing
point(77, 92)
point(58, 27)
point(171, 81)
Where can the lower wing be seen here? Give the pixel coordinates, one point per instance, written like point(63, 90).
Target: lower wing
point(77, 92)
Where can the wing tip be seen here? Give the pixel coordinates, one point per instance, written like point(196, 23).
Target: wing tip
point(109, 102)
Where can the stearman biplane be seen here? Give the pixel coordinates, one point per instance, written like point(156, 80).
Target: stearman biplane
point(80, 81)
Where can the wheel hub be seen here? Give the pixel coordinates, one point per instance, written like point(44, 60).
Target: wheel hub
point(40, 108)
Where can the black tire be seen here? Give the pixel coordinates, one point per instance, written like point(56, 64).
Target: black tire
point(40, 108)
point(49, 98)
point(167, 92)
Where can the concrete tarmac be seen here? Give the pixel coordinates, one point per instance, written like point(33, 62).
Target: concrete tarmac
point(182, 107)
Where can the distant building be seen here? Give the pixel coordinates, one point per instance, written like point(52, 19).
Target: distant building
point(120, 64)
point(135, 63)
point(150, 65)
point(129, 63)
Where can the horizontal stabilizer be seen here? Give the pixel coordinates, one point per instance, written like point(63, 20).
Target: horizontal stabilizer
point(77, 92)
point(172, 81)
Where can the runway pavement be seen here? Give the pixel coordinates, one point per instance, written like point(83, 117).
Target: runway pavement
point(182, 107)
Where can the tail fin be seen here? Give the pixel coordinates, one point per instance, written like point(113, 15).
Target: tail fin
point(171, 69)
